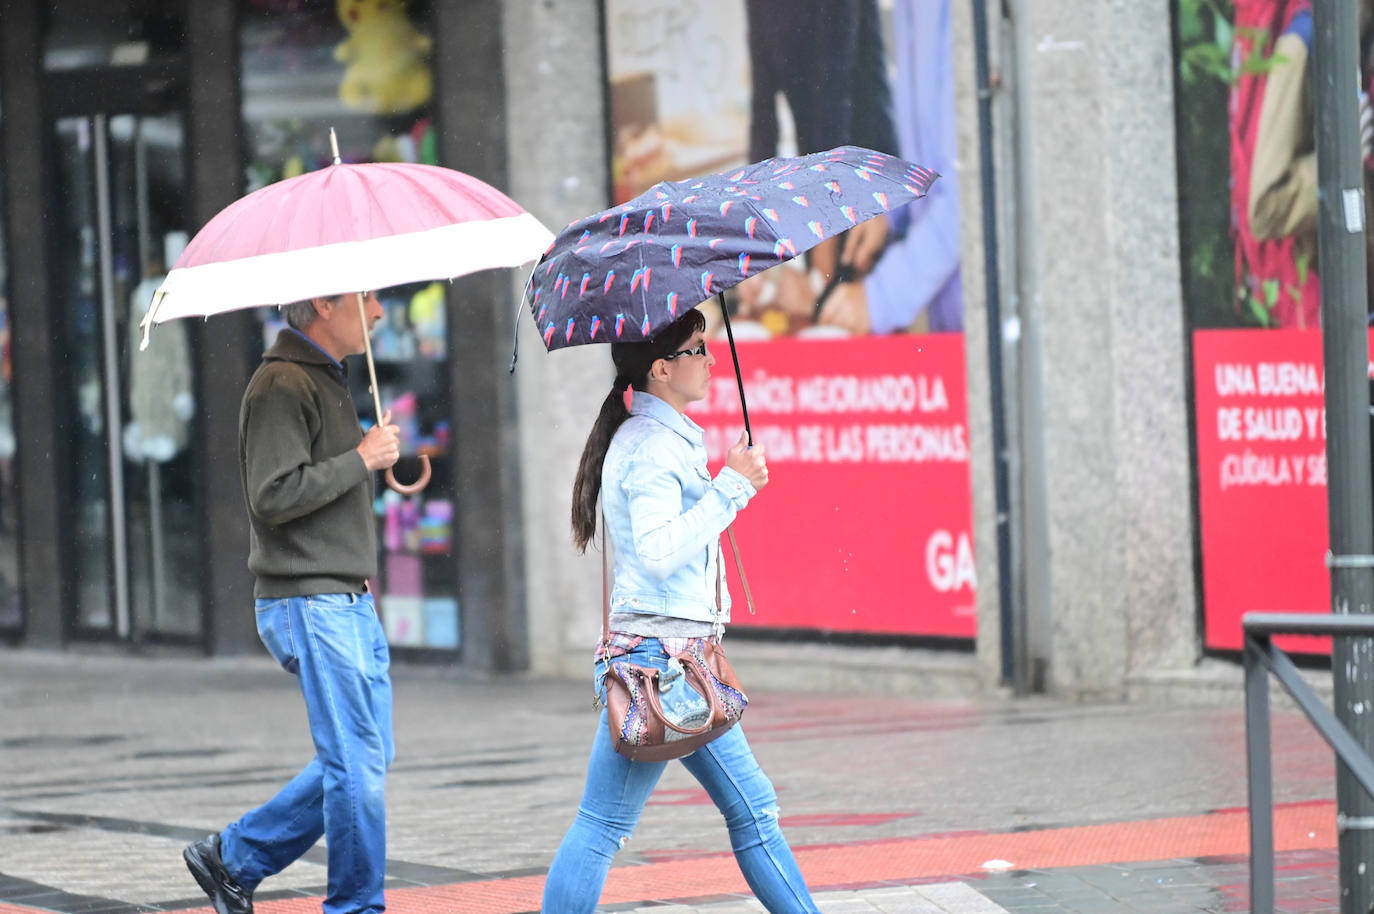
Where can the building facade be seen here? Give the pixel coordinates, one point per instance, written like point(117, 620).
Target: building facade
point(1071, 561)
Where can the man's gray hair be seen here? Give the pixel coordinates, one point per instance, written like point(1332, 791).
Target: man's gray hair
point(300, 314)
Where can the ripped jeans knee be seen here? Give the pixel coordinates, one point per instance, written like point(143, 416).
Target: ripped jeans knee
point(604, 837)
point(753, 821)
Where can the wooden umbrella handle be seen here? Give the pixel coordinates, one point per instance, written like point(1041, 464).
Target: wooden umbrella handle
point(419, 484)
point(416, 486)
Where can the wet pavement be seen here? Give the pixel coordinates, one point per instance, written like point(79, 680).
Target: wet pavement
point(109, 764)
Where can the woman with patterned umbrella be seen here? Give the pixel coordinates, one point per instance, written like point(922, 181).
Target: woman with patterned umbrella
point(632, 276)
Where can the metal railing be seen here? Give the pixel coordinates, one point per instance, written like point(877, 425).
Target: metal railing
point(1261, 658)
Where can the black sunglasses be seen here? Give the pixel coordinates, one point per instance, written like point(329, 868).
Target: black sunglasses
point(699, 349)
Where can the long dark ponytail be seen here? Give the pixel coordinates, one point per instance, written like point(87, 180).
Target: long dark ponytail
point(632, 363)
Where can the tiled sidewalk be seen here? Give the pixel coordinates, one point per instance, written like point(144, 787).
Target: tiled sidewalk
point(111, 765)
point(892, 877)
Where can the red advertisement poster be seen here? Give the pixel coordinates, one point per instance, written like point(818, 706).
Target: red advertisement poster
point(853, 352)
point(866, 523)
point(1261, 442)
point(1252, 283)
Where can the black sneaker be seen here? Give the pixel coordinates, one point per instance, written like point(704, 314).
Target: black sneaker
point(203, 860)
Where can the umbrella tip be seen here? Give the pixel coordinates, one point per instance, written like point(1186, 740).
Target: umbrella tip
point(334, 145)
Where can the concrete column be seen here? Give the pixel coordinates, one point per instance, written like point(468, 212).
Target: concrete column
point(40, 427)
point(226, 348)
point(558, 158)
point(1115, 410)
point(471, 58)
point(1151, 350)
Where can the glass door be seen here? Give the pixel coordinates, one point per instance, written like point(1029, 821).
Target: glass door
point(129, 494)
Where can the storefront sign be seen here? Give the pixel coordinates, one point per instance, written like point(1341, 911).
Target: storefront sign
point(1261, 446)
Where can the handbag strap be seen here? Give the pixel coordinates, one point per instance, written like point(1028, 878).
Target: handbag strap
point(605, 591)
point(739, 566)
point(606, 580)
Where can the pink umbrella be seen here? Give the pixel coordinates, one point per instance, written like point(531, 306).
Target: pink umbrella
point(343, 229)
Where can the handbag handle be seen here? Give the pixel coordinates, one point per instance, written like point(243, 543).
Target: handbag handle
point(703, 687)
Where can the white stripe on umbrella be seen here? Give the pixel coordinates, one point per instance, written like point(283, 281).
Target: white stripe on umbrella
point(349, 266)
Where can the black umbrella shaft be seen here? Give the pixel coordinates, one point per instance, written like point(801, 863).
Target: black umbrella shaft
point(734, 357)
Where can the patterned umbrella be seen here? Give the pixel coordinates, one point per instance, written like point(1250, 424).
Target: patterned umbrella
point(623, 274)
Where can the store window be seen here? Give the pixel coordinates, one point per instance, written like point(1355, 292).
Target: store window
point(363, 68)
point(127, 463)
point(904, 565)
point(11, 615)
point(1252, 291)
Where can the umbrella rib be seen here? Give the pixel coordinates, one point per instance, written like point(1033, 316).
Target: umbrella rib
point(478, 196)
point(259, 227)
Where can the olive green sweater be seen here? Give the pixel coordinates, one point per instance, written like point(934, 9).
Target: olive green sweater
point(308, 490)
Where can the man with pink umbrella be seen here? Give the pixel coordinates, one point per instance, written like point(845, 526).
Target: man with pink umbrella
point(307, 472)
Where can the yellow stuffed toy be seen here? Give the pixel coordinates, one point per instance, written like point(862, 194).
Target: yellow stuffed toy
point(387, 58)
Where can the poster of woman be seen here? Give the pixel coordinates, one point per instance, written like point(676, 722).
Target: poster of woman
point(852, 355)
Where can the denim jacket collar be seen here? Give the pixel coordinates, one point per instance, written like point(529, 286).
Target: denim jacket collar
point(646, 404)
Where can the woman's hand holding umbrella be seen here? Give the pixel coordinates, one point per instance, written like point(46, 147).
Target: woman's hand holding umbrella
point(748, 461)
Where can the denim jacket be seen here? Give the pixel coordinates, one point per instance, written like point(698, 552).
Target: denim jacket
point(665, 514)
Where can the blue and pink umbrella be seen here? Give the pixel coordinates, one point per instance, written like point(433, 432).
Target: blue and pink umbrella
point(624, 274)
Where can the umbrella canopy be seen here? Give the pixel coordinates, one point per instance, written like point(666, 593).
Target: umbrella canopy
point(625, 273)
point(342, 229)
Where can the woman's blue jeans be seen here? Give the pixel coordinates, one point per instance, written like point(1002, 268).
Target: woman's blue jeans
point(618, 788)
point(335, 645)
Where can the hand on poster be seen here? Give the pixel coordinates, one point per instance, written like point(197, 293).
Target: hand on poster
point(847, 309)
point(780, 301)
point(864, 242)
point(784, 300)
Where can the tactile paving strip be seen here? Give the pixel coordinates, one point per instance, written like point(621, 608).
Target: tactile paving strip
point(1296, 827)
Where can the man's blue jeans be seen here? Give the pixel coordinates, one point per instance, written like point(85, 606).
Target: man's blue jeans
point(335, 645)
point(618, 788)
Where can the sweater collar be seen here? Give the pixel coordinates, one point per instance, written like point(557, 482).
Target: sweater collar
point(646, 404)
point(293, 346)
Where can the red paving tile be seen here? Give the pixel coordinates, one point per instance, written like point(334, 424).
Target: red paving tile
point(14, 909)
point(1296, 827)
point(843, 819)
